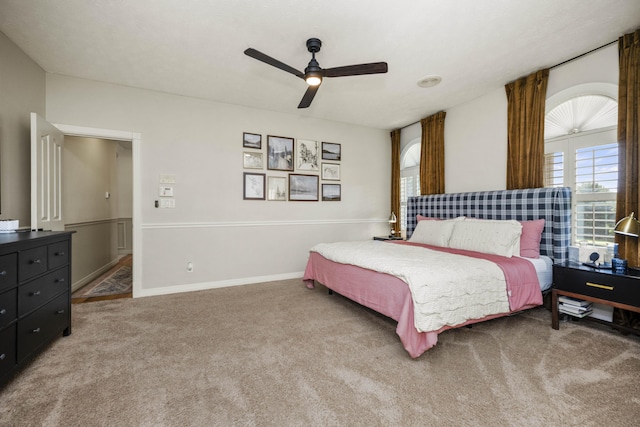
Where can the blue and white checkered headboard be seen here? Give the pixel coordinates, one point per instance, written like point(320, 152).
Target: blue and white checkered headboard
point(551, 204)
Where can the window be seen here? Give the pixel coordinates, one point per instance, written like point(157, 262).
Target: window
point(581, 152)
point(409, 177)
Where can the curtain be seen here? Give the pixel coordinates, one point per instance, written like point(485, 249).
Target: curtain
point(395, 178)
point(628, 199)
point(525, 130)
point(432, 154)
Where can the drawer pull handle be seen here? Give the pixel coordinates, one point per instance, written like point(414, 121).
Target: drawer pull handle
point(60, 312)
point(3, 312)
point(596, 285)
point(34, 294)
point(3, 273)
point(59, 280)
point(59, 254)
point(3, 356)
point(35, 261)
point(36, 331)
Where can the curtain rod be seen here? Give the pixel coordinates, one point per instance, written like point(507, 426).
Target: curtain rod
point(552, 67)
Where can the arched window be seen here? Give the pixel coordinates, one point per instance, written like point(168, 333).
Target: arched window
point(581, 152)
point(409, 177)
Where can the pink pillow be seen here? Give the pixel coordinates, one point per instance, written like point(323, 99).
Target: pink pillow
point(426, 218)
point(530, 239)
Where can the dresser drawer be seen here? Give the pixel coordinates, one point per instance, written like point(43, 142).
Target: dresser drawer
point(7, 350)
point(8, 271)
point(43, 324)
point(58, 254)
point(32, 262)
point(8, 307)
point(610, 287)
point(35, 293)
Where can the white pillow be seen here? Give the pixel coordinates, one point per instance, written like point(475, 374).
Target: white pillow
point(488, 236)
point(436, 233)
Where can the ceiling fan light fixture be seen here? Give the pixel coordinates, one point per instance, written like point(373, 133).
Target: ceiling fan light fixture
point(313, 78)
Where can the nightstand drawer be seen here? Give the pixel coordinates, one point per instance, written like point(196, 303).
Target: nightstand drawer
point(610, 287)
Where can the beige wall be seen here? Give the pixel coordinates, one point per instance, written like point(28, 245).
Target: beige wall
point(22, 91)
point(229, 240)
point(476, 132)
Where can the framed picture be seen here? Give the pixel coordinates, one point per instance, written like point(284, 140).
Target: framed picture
point(303, 187)
point(279, 153)
point(331, 192)
point(252, 160)
point(331, 171)
point(277, 188)
point(307, 155)
point(253, 185)
point(331, 151)
point(251, 140)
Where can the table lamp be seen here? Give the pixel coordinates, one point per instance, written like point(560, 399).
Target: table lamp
point(392, 222)
point(628, 226)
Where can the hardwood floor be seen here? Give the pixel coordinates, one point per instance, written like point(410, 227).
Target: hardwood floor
point(77, 298)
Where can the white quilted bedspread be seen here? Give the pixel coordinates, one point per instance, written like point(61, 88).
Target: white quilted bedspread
point(447, 289)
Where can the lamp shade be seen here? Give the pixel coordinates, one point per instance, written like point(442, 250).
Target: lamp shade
point(629, 226)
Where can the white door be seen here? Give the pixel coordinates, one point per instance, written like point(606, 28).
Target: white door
point(47, 144)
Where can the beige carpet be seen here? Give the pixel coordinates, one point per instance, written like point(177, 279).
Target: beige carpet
point(280, 354)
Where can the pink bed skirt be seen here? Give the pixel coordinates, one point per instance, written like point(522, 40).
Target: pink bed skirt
point(383, 293)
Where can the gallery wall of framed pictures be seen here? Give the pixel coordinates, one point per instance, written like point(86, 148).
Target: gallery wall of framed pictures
point(296, 168)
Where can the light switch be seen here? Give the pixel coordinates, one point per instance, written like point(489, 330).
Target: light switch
point(165, 191)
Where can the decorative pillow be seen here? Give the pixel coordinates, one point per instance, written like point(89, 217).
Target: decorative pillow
point(530, 239)
point(436, 233)
point(426, 218)
point(488, 236)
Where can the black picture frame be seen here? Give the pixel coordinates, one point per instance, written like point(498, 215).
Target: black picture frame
point(252, 140)
point(254, 186)
point(303, 188)
point(331, 151)
point(280, 153)
point(331, 193)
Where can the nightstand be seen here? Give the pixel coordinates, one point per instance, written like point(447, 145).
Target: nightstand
point(601, 286)
point(383, 238)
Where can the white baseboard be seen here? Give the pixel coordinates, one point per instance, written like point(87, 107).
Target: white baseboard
point(191, 287)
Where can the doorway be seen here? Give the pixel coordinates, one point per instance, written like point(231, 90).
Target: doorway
point(121, 226)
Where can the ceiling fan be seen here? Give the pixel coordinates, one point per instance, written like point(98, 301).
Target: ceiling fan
point(313, 74)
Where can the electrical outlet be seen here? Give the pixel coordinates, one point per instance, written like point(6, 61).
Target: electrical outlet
point(167, 203)
point(190, 267)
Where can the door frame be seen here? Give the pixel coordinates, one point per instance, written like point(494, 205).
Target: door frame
point(135, 139)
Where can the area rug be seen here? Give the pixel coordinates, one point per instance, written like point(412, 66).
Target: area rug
point(118, 282)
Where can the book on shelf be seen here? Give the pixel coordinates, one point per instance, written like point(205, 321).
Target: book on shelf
point(573, 301)
point(574, 314)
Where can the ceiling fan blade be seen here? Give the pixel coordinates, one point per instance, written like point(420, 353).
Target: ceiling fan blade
point(273, 62)
point(356, 70)
point(308, 96)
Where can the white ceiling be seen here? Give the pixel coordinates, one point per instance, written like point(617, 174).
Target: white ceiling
point(195, 47)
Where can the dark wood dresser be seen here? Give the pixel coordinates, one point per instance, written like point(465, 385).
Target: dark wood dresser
point(35, 295)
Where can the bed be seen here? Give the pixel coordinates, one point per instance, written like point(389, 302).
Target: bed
point(391, 289)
